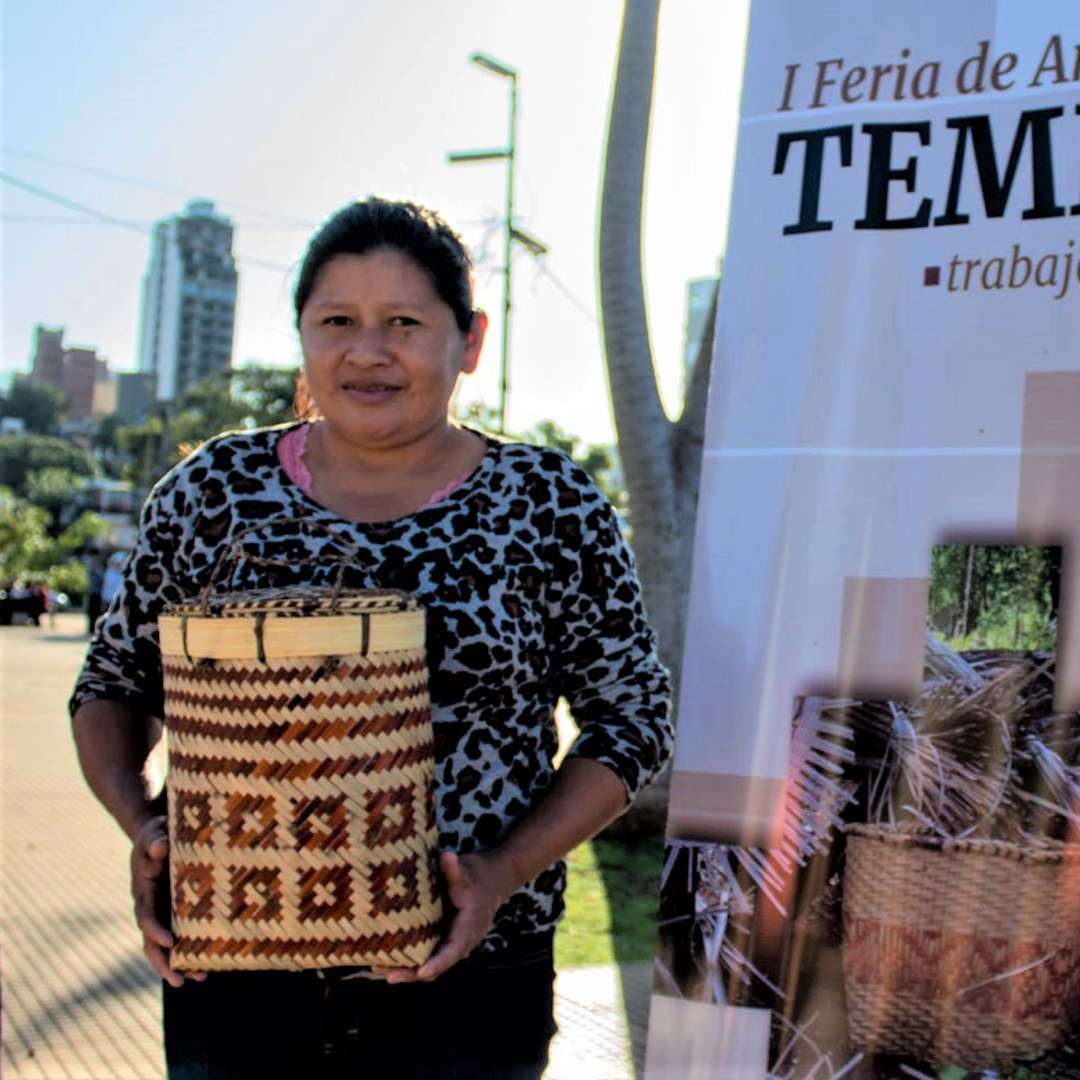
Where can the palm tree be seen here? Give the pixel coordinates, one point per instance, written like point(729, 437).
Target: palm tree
point(661, 457)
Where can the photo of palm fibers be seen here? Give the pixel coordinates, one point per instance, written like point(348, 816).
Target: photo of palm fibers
point(917, 914)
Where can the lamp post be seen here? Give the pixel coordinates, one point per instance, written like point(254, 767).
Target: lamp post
point(510, 233)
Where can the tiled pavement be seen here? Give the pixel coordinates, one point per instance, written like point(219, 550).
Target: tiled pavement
point(79, 1002)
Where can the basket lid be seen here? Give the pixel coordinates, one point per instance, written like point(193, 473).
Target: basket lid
point(273, 624)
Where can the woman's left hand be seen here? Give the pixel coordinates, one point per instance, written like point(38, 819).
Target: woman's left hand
point(476, 884)
point(585, 796)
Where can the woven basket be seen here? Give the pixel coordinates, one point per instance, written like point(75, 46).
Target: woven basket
point(301, 774)
point(962, 952)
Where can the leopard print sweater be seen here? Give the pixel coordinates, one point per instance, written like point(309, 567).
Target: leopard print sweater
point(530, 592)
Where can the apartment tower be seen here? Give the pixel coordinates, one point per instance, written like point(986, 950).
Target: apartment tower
point(189, 300)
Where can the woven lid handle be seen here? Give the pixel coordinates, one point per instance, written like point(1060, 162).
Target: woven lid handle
point(236, 553)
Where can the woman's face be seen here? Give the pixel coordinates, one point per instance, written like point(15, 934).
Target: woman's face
point(382, 350)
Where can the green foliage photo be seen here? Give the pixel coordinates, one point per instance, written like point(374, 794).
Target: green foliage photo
point(995, 596)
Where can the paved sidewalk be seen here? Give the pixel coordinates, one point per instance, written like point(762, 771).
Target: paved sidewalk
point(79, 1002)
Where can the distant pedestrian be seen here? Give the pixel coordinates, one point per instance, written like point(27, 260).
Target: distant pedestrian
point(93, 600)
point(112, 578)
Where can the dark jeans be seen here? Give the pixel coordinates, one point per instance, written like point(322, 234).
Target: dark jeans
point(488, 1018)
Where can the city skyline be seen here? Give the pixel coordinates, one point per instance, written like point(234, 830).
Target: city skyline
point(280, 116)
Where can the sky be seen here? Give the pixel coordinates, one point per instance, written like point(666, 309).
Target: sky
point(282, 112)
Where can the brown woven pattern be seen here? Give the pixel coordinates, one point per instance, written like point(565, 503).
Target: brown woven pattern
point(301, 812)
point(961, 952)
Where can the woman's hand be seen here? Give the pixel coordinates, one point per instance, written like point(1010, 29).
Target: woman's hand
point(115, 741)
point(585, 796)
point(476, 885)
point(149, 862)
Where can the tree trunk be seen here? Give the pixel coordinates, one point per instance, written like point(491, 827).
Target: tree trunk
point(642, 428)
point(661, 459)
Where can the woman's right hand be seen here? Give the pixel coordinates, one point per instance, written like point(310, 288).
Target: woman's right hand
point(115, 741)
point(149, 863)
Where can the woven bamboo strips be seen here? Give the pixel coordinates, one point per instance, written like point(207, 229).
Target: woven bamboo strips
point(301, 787)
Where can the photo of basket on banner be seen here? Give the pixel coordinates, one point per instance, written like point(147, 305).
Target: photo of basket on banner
point(301, 777)
point(873, 849)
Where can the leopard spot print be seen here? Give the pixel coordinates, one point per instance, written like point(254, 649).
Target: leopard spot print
point(530, 592)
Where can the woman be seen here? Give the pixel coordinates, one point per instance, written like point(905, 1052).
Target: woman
point(531, 595)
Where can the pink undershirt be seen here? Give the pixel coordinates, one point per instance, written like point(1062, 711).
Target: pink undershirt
point(292, 446)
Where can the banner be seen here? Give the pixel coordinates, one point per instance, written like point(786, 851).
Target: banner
point(882, 673)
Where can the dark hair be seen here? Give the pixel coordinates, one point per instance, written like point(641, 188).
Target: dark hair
point(414, 230)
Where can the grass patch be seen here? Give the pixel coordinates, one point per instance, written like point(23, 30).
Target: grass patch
point(611, 901)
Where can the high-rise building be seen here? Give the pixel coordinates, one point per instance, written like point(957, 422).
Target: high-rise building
point(84, 370)
point(76, 370)
point(135, 395)
point(699, 292)
point(47, 364)
point(189, 300)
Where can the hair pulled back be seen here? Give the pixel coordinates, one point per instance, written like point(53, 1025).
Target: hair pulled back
point(414, 230)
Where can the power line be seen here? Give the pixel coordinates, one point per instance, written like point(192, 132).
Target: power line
point(55, 219)
point(146, 229)
point(148, 223)
point(284, 220)
point(71, 204)
point(543, 271)
point(482, 262)
point(122, 223)
point(44, 159)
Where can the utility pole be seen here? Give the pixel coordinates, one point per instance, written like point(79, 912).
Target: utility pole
point(510, 233)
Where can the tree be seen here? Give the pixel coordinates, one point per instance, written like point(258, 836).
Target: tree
point(103, 443)
point(266, 393)
point(43, 526)
point(146, 450)
point(41, 408)
point(29, 553)
point(661, 458)
point(600, 462)
point(252, 396)
point(995, 596)
point(206, 409)
point(24, 537)
point(23, 455)
point(57, 492)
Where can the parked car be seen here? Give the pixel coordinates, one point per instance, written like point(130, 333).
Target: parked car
point(29, 600)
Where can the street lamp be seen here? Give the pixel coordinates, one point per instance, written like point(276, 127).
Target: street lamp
point(511, 233)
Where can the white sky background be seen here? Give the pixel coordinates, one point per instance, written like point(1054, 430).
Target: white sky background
point(280, 112)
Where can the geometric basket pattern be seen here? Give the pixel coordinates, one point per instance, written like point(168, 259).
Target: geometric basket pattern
point(962, 952)
point(301, 811)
